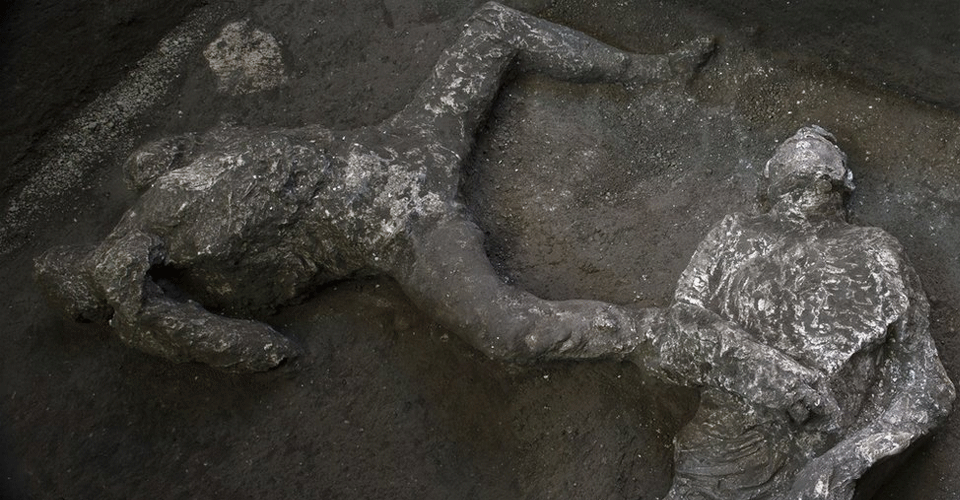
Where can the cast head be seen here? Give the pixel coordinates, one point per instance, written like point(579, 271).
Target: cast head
point(808, 159)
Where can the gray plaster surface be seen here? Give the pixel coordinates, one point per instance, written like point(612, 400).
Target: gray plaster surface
point(583, 191)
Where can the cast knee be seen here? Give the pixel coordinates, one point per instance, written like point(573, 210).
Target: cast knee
point(61, 274)
point(492, 15)
point(149, 162)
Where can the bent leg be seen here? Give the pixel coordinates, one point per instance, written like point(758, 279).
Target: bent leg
point(451, 278)
point(451, 103)
point(146, 319)
point(64, 279)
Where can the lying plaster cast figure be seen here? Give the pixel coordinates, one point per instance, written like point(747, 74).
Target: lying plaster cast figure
point(841, 299)
point(250, 218)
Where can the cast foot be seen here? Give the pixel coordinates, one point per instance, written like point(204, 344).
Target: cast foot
point(583, 329)
point(686, 61)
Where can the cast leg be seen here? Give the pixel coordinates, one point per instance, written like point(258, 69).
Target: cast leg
point(146, 319)
point(452, 102)
point(451, 278)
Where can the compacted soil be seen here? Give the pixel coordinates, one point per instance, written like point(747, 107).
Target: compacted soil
point(584, 191)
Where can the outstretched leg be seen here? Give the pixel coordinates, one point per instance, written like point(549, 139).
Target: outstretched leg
point(451, 103)
point(114, 277)
point(450, 277)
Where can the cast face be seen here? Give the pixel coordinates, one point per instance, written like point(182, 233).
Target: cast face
point(809, 156)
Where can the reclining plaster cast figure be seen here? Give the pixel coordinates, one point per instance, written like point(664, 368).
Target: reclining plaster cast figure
point(842, 300)
point(252, 218)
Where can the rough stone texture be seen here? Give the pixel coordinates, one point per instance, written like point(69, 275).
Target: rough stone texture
point(103, 127)
point(245, 59)
point(581, 191)
point(242, 219)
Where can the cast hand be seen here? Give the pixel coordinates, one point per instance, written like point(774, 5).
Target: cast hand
point(815, 406)
point(828, 477)
point(783, 383)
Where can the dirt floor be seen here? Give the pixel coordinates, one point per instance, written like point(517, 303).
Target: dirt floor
point(584, 191)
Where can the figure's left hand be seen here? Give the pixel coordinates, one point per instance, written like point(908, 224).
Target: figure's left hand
point(815, 405)
point(831, 476)
point(778, 381)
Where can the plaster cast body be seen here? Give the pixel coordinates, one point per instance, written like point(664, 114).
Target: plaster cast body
point(840, 299)
point(243, 219)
